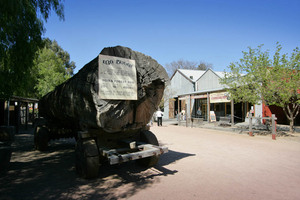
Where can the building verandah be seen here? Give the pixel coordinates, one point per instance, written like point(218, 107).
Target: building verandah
point(202, 105)
point(208, 101)
point(204, 96)
point(18, 112)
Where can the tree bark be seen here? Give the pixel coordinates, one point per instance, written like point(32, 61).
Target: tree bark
point(76, 103)
point(292, 125)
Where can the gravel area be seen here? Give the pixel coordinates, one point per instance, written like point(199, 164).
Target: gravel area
point(201, 164)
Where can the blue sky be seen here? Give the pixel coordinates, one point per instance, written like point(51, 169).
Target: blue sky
point(213, 31)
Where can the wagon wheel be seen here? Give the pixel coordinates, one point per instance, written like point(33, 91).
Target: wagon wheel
point(87, 158)
point(41, 138)
point(149, 138)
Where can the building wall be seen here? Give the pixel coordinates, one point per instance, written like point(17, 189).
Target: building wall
point(208, 81)
point(178, 85)
point(166, 108)
point(181, 85)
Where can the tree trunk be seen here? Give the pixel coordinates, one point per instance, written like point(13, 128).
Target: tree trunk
point(291, 114)
point(292, 125)
point(76, 103)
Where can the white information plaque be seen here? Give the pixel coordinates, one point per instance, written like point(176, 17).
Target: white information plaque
point(117, 78)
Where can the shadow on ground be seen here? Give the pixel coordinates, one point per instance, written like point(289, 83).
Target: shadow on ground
point(51, 175)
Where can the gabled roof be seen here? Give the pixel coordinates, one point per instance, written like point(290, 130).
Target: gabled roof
point(219, 74)
point(190, 74)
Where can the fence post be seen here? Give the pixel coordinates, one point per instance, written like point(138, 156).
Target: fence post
point(273, 127)
point(250, 125)
point(232, 113)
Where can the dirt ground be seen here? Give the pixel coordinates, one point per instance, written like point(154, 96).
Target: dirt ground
point(201, 164)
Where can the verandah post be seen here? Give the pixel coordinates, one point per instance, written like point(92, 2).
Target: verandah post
point(250, 125)
point(273, 127)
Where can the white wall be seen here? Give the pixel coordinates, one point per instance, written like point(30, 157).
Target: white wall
point(178, 85)
point(208, 81)
point(181, 85)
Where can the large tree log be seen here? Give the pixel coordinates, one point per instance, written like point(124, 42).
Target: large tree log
point(76, 104)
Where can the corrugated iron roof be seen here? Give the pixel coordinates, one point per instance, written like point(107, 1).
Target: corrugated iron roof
point(192, 75)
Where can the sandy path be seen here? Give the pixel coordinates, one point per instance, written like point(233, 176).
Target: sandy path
point(223, 165)
point(201, 164)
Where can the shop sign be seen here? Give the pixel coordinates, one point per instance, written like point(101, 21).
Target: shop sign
point(11, 108)
point(220, 97)
point(117, 78)
point(212, 116)
point(200, 96)
point(183, 98)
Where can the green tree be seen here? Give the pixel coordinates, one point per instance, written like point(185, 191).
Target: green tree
point(276, 81)
point(49, 71)
point(52, 67)
point(62, 54)
point(21, 32)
